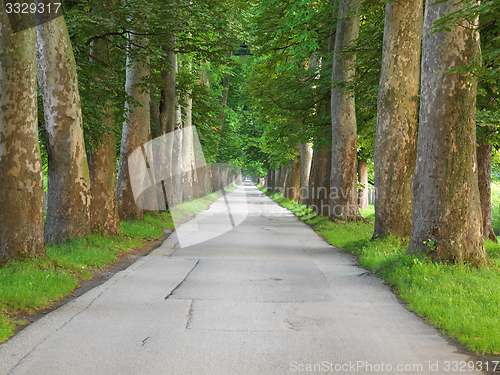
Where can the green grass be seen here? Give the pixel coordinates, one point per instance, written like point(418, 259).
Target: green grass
point(31, 285)
point(462, 301)
point(495, 203)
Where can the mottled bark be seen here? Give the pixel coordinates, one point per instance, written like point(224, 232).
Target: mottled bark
point(292, 191)
point(484, 183)
point(397, 118)
point(324, 189)
point(170, 120)
point(305, 150)
point(102, 162)
point(225, 93)
point(177, 160)
point(276, 184)
point(135, 132)
point(343, 189)
point(446, 212)
point(68, 206)
point(283, 174)
point(154, 112)
point(169, 100)
point(288, 179)
point(104, 210)
point(188, 156)
point(21, 193)
point(269, 180)
point(363, 179)
point(317, 164)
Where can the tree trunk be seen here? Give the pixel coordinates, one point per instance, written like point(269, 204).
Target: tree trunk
point(397, 118)
point(103, 208)
point(277, 181)
point(135, 133)
point(177, 159)
point(68, 208)
point(446, 212)
point(305, 150)
point(315, 177)
point(363, 179)
point(484, 183)
point(170, 119)
point(283, 172)
point(324, 189)
point(293, 188)
point(225, 93)
point(21, 193)
point(154, 112)
point(269, 180)
point(343, 190)
point(188, 155)
point(104, 211)
point(288, 179)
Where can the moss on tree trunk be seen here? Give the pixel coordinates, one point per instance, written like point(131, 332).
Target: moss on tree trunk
point(68, 206)
point(397, 118)
point(21, 193)
point(343, 189)
point(446, 217)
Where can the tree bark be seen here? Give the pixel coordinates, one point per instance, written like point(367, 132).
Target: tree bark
point(136, 132)
point(68, 208)
point(446, 212)
point(484, 182)
point(397, 118)
point(269, 182)
point(277, 180)
point(363, 179)
point(293, 188)
point(324, 189)
point(188, 155)
point(288, 179)
point(170, 119)
point(103, 207)
point(305, 150)
point(225, 94)
point(343, 190)
point(104, 210)
point(282, 181)
point(21, 193)
point(317, 166)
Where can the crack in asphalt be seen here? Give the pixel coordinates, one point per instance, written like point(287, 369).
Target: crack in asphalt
point(184, 279)
point(125, 274)
point(189, 315)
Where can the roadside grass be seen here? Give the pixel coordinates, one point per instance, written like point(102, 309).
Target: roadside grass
point(460, 300)
point(495, 202)
point(28, 286)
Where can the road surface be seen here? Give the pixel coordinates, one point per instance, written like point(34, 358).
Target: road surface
point(267, 297)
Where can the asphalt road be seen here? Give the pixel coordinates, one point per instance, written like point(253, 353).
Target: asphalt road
point(267, 297)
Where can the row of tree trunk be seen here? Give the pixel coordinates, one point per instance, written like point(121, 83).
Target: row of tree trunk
point(84, 194)
point(433, 187)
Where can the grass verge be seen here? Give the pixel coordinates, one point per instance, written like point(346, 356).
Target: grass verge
point(28, 286)
point(462, 301)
